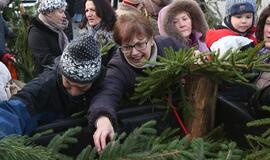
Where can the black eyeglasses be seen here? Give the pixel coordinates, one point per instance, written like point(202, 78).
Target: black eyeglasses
point(138, 46)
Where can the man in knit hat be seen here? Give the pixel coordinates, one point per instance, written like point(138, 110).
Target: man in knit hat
point(58, 92)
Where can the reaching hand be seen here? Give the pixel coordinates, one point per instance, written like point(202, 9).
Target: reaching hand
point(103, 132)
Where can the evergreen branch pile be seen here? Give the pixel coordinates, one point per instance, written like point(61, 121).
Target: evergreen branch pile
point(260, 144)
point(234, 66)
point(144, 144)
point(21, 148)
point(63, 141)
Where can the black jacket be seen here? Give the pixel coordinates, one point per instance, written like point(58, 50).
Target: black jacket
point(46, 94)
point(43, 43)
point(120, 80)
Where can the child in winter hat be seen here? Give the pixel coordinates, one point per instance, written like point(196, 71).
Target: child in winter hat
point(46, 6)
point(81, 60)
point(237, 30)
point(239, 7)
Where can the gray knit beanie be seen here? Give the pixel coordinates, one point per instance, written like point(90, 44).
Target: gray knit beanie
point(47, 6)
point(239, 6)
point(81, 60)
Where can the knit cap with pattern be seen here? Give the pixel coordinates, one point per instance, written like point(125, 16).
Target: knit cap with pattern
point(81, 60)
point(47, 6)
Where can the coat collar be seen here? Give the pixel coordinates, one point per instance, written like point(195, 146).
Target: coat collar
point(37, 22)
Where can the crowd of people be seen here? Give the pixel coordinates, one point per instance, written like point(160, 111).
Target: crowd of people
point(73, 75)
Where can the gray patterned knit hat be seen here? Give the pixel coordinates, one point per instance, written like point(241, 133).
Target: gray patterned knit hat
point(239, 6)
point(46, 6)
point(81, 60)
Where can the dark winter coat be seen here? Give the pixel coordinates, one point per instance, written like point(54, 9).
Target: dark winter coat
point(120, 79)
point(43, 43)
point(42, 101)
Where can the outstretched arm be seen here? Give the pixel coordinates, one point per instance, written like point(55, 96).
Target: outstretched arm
point(103, 132)
point(119, 80)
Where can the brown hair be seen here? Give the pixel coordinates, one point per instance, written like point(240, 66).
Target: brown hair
point(105, 11)
point(260, 25)
point(129, 26)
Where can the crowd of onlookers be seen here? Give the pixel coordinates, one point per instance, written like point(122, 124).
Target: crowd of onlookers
point(73, 75)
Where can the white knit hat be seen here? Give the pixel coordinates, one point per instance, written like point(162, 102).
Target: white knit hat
point(46, 6)
point(239, 6)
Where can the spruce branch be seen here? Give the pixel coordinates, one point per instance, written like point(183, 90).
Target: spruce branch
point(144, 144)
point(38, 135)
point(88, 153)
point(21, 148)
point(104, 48)
point(62, 141)
point(235, 66)
point(260, 144)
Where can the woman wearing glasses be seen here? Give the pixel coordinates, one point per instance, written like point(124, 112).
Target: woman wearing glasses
point(134, 34)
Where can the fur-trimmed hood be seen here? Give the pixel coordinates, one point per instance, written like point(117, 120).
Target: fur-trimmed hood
point(199, 23)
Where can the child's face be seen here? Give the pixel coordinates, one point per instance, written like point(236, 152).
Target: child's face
point(266, 33)
point(242, 22)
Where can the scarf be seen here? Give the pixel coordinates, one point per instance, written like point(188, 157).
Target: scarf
point(100, 34)
point(56, 27)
